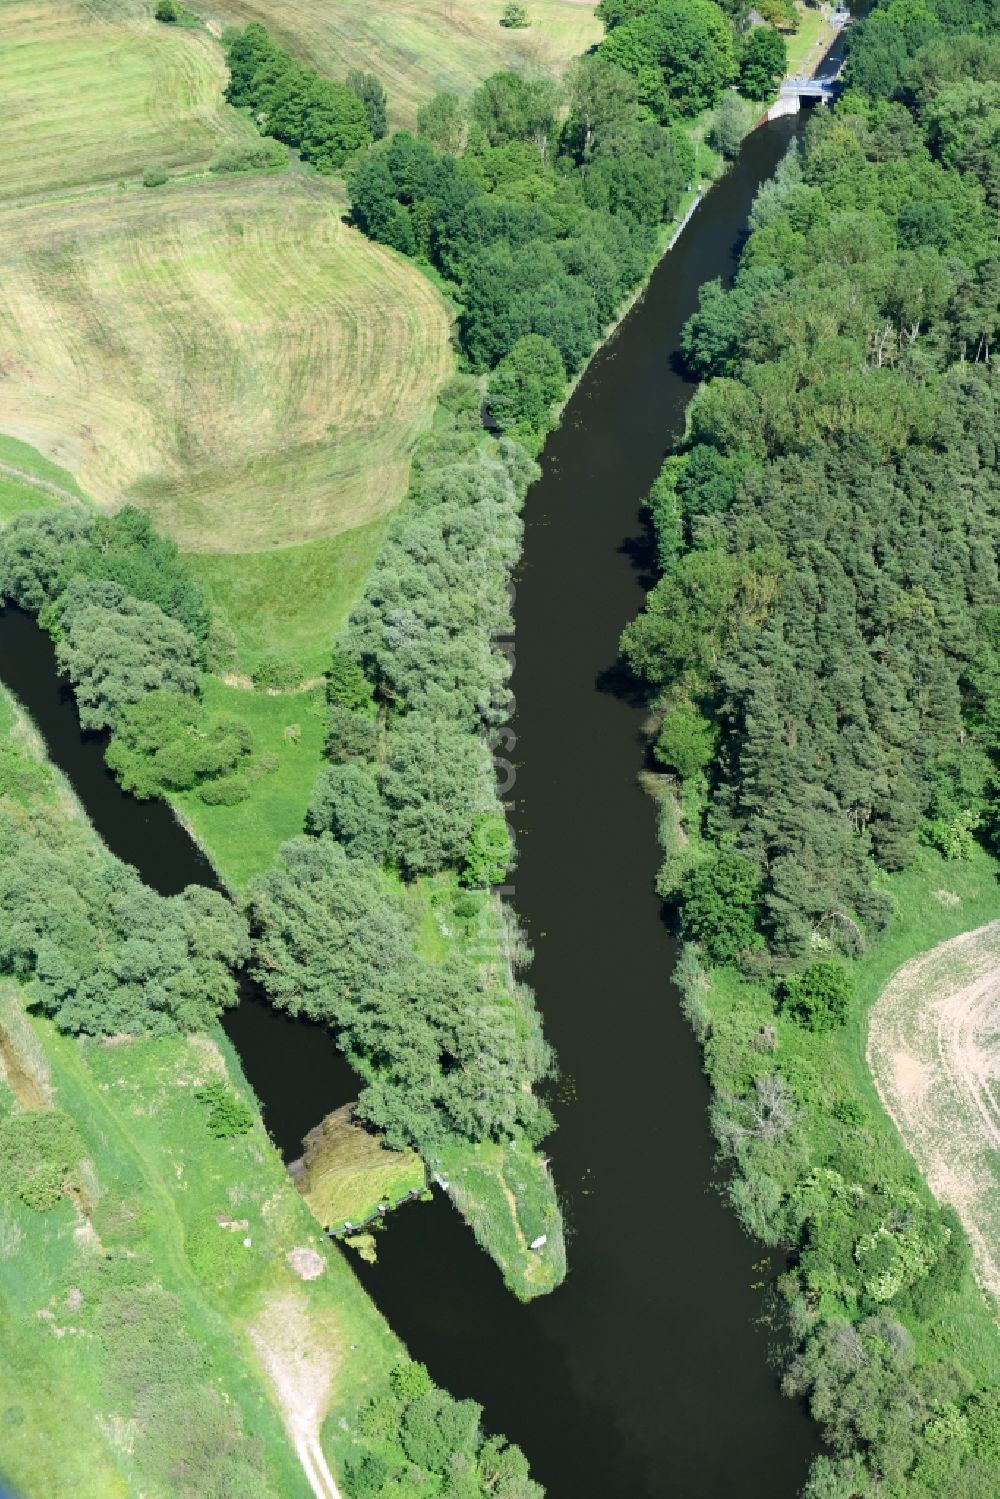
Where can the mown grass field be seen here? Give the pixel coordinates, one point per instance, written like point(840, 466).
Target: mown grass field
point(291, 601)
point(348, 1174)
point(96, 93)
point(228, 355)
point(290, 726)
point(420, 46)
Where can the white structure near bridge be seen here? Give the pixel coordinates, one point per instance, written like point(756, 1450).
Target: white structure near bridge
point(822, 88)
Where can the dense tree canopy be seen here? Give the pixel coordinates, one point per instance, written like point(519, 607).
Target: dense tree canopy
point(680, 52)
point(442, 1055)
point(837, 638)
point(543, 225)
point(115, 649)
point(822, 653)
point(106, 953)
point(166, 742)
point(325, 121)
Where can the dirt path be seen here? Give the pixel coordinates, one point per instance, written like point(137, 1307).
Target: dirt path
point(300, 1370)
point(934, 1053)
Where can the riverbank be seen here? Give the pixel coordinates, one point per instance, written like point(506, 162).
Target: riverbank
point(781, 845)
point(217, 1234)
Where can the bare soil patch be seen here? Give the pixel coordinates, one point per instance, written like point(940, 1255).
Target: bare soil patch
point(934, 1053)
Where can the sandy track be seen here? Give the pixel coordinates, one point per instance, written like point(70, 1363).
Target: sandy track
point(934, 1053)
point(300, 1366)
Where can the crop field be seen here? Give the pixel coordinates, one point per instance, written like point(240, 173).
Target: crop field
point(420, 46)
point(934, 1052)
point(228, 355)
point(96, 93)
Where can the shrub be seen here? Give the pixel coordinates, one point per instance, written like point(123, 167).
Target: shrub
point(323, 120)
point(115, 649)
point(410, 1380)
point(489, 854)
point(525, 385)
point(256, 156)
point(718, 906)
point(33, 552)
point(226, 791)
point(436, 781)
point(228, 1114)
point(350, 735)
point(370, 91)
point(763, 60)
point(346, 802)
point(169, 12)
point(818, 998)
point(686, 741)
point(167, 742)
point(347, 685)
point(107, 953)
point(515, 17)
point(154, 177)
point(274, 673)
point(37, 1151)
point(726, 132)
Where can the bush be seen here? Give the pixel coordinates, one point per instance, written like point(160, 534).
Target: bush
point(169, 12)
point(257, 156)
point(350, 735)
point(115, 649)
point(818, 998)
point(168, 742)
point(226, 791)
point(154, 177)
point(347, 685)
point(525, 385)
point(410, 1380)
point(763, 60)
point(489, 854)
point(323, 120)
point(346, 802)
point(370, 91)
point(228, 1114)
point(726, 132)
point(37, 1152)
point(107, 953)
point(515, 17)
point(686, 741)
point(274, 673)
point(718, 906)
point(33, 552)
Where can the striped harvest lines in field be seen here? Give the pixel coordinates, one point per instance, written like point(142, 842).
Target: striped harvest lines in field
point(89, 100)
point(229, 354)
point(420, 46)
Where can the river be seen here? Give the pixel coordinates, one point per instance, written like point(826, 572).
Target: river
point(646, 1375)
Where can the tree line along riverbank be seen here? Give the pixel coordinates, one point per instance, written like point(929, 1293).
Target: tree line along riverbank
point(821, 650)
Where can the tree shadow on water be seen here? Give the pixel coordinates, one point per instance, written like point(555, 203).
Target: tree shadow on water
point(620, 681)
point(641, 553)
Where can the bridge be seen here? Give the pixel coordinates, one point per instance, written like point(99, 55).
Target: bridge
point(823, 89)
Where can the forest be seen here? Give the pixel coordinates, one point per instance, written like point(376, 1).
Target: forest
point(821, 654)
